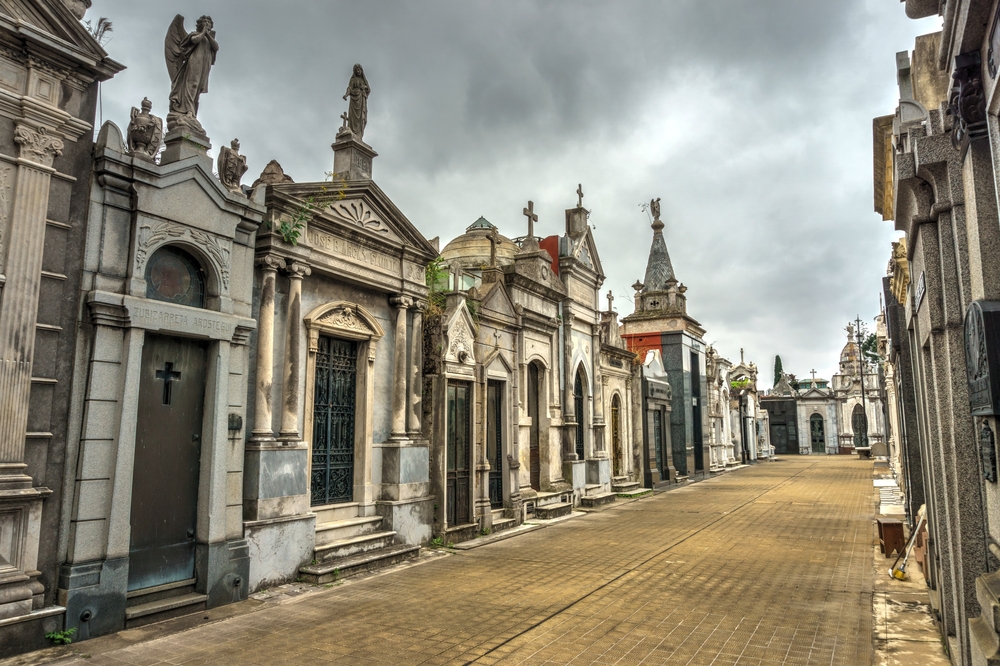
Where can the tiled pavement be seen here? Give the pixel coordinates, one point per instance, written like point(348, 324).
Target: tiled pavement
point(768, 565)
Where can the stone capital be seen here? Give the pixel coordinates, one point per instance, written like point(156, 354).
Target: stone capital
point(269, 262)
point(401, 302)
point(37, 145)
point(297, 270)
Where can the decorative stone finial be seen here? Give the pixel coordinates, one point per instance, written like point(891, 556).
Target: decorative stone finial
point(145, 132)
point(189, 57)
point(654, 208)
point(357, 111)
point(272, 174)
point(579, 195)
point(529, 213)
point(78, 7)
point(232, 166)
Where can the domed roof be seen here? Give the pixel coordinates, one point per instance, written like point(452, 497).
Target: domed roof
point(472, 249)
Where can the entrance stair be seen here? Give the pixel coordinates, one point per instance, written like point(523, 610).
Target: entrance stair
point(548, 505)
point(162, 602)
point(622, 487)
point(348, 544)
point(593, 497)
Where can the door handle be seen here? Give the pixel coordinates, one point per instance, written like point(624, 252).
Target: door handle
point(190, 533)
point(195, 438)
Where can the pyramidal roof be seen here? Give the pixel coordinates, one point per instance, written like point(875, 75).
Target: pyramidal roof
point(659, 270)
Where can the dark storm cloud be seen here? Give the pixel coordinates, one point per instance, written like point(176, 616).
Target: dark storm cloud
point(752, 120)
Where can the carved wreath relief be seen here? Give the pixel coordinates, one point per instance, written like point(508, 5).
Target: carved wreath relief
point(151, 236)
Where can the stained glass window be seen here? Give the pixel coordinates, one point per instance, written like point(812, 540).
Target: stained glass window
point(175, 276)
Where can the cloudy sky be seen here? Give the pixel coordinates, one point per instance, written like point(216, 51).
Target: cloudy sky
point(751, 121)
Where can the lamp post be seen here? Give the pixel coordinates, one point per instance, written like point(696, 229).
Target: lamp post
point(861, 365)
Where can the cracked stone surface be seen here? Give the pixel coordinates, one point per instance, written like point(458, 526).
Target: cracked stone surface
point(772, 564)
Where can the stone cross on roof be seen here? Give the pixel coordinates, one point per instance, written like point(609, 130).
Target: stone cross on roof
point(529, 213)
point(741, 354)
point(813, 371)
point(343, 117)
point(579, 194)
point(611, 300)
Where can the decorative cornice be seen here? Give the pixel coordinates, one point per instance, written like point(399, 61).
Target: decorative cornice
point(37, 145)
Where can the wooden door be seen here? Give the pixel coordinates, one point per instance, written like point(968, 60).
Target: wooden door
point(458, 473)
point(167, 461)
point(534, 460)
point(332, 477)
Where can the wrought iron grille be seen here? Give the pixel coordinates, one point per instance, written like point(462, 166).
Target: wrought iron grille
point(578, 402)
point(494, 442)
point(333, 424)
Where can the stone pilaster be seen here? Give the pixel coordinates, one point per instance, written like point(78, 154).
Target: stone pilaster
point(399, 374)
point(262, 425)
point(291, 389)
point(569, 404)
point(19, 305)
point(416, 362)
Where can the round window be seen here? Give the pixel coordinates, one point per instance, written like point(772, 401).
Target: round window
point(175, 276)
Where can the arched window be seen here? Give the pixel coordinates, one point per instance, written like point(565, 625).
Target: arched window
point(174, 276)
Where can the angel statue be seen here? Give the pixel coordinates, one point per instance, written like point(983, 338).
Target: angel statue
point(232, 166)
point(654, 207)
point(357, 111)
point(190, 57)
point(145, 132)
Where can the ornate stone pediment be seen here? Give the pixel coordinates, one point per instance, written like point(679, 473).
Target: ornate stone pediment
point(344, 319)
point(359, 213)
point(461, 341)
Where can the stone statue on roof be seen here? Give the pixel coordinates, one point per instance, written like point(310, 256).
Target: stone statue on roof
point(232, 166)
point(189, 57)
point(145, 132)
point(357, 111)
point(654, 207)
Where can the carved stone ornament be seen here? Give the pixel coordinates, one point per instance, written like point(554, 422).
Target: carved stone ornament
point(988, 452)
point(966, 102)
point(231, 166)
point(190, 57)
point(982, 357)
point(345, 317)
point(356, 211)
point(37, 145)
point(272, 174)
point(145, 132)
point(460, 343)
point(152, 235)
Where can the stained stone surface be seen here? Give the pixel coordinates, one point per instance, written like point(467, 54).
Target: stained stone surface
point(771, 564)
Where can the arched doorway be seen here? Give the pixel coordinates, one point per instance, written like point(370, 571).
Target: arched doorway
point(859, 424)
point(578, 406)
point(616, 437)
point(534, 460)
point(817, 433)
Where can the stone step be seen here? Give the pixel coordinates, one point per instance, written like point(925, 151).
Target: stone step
point(622, 486)
point(592, 489)
point(619, 479)
point(550, 511)
point(164, 609)
point(334, 512)
point(598, 500)
point(333, 570)
point(543, 499)
point(634, 493)
point(345, 529)
point(353, 545)
point(499, 525)
point(165, 591)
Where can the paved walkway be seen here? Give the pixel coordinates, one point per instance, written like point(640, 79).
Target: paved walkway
point(767, 565)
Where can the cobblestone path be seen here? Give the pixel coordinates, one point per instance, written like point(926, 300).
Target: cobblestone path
point(766, 565)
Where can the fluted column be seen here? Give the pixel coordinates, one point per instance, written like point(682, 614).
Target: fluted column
point(19, 301)
point(262, 425)
point(416, 362)
point(290, 389)
point(399, 375)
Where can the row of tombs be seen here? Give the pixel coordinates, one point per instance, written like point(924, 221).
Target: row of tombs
point(209, 388)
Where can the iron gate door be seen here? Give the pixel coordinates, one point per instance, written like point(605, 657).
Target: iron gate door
point(779, 437)
point(534, 459)
point(578, 404)
point(167, 459)
point(817, 432)
point(616, 438)
point(457, 505)
point(494, 441)
point(333, 421)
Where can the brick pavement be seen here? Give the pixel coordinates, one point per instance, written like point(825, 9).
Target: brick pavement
point(767, 565)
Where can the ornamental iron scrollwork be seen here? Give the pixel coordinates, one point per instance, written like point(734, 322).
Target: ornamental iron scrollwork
point(988, 451)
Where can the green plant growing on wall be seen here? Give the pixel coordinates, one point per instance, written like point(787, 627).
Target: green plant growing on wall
point(869, 348)
point(777, 370)
point(740, 384)
point(290, 228)
point(436, 278)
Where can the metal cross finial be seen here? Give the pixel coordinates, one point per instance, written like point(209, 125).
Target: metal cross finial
point(168, 375)
point(611, 300)
point(579, 194)
point(813, 371)
point(529, 213)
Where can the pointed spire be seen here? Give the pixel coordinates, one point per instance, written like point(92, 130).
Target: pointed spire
point(659, 270)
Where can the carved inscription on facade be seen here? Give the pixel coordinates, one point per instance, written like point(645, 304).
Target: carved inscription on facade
point(332, 245)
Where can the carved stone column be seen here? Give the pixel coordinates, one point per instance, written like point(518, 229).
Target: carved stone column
point(262, 425)
point(19, 305)
point(399, 375)
point(414, 414)
point(569, 381)
point(291, 390)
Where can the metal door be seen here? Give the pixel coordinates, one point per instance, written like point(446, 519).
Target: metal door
point(578, 404)
point(333, 421)
point(817, 432)
point(458, 480)
point(779, 437)
point(534, 460)
point(616, 438)
point(696, 457)
point(859, 424)
point(494, 441)
point(167, 459)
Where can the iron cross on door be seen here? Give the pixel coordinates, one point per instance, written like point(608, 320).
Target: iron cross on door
point(169, 376)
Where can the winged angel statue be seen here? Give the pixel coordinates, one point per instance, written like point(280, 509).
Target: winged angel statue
point(190, 57)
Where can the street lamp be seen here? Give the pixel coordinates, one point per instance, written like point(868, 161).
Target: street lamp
point(861, 365)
